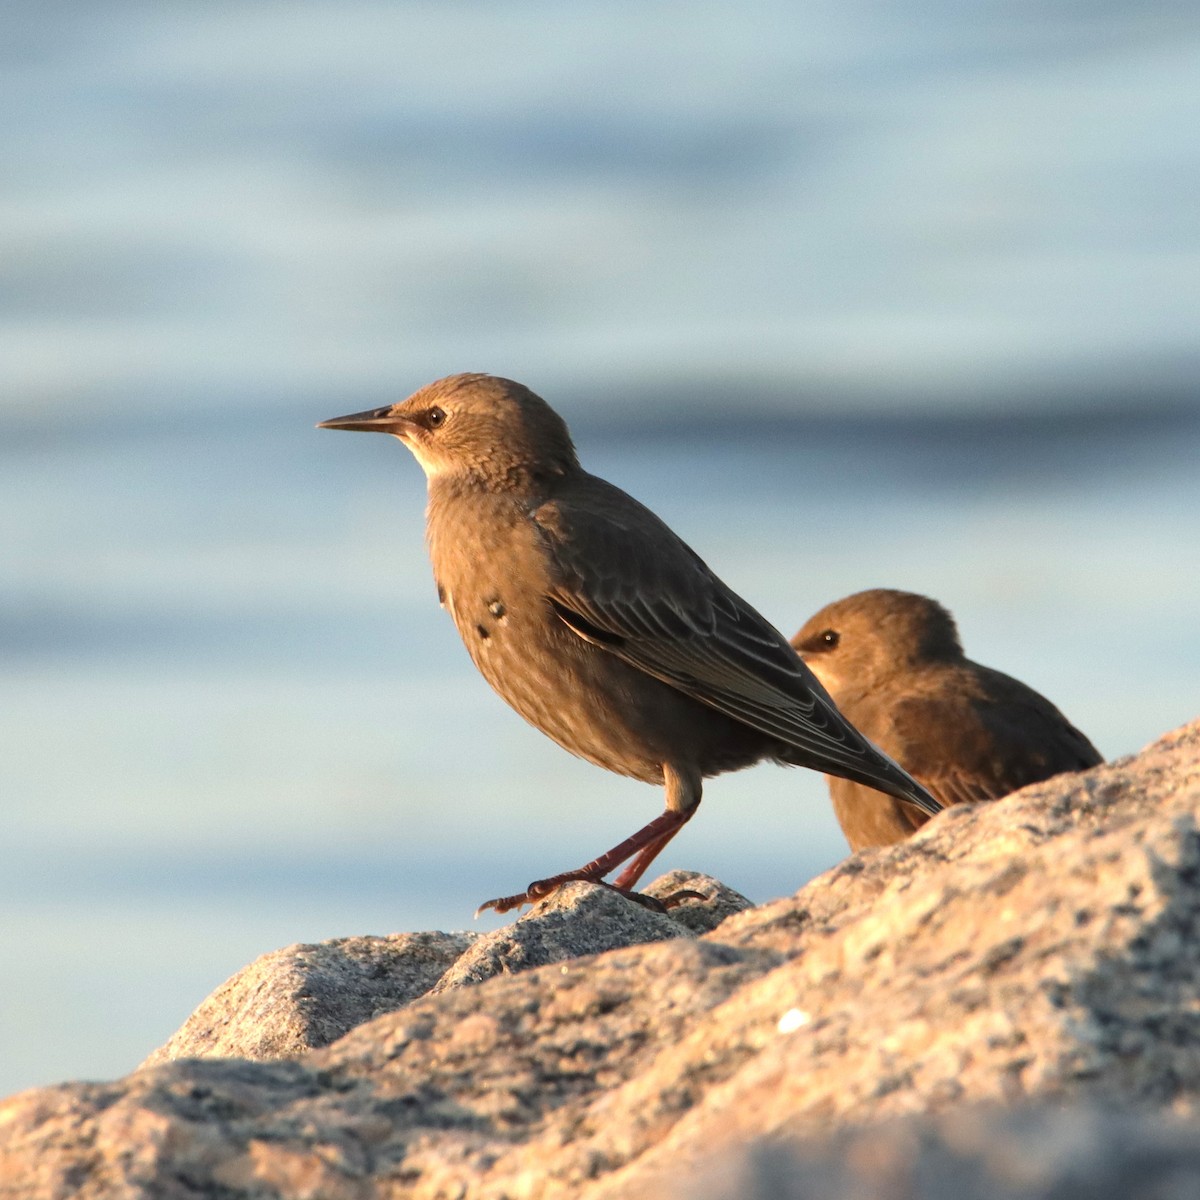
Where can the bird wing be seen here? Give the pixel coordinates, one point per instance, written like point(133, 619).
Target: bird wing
point(624, 581)
point(988, 747)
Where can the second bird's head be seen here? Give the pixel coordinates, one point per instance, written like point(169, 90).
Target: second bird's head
point(861, 642)
point(478, 427)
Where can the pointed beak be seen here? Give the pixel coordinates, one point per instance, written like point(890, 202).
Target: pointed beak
point(374, 420)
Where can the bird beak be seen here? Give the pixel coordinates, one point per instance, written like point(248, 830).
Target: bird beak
point(374, 420)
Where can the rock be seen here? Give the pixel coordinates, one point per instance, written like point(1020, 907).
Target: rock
point(982, 1152)
point(574, 920)
point(432, 1095)
point(1046, 945)
point(293, 1000)
point(698, 915)
point(1042, 950)
point(583, 918)
point(305, 996)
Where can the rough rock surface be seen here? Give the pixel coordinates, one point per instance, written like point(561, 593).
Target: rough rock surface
point(1042, 950)
point(293, 1000)
point(577, 919)
point(978, 1153)
point(296, 999)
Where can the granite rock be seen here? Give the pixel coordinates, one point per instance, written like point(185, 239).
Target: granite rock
point(304, 996)
point(980, 1152)
point(1033, 955)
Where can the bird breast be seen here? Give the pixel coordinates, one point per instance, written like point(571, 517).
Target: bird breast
point(495, 575)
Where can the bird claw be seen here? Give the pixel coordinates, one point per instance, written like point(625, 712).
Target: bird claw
point(675, 899)
point(504, 904)
point(545, 887)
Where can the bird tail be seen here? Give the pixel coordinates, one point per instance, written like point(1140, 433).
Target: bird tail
point(874, 769)
point(887, 775)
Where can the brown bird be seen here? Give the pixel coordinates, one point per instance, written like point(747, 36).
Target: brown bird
point(598, 625)
point(893, 663)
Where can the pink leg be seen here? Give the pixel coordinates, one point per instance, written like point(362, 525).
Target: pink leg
point(683, 798)
point(628, 878)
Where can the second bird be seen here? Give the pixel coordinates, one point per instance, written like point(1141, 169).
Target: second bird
point(893, 662)
point(599, 625)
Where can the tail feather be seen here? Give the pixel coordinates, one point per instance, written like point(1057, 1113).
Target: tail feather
point(875, 770)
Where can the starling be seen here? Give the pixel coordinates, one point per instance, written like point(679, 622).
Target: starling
point(599, 625)
point(894, 665)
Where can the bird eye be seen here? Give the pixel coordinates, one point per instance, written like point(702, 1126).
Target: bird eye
point(435, 417)
point(829, 639)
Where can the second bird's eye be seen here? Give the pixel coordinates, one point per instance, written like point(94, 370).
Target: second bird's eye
point(829, 638)
point(435, 417)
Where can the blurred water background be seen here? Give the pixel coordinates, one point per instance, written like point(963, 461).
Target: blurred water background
point(852, 294)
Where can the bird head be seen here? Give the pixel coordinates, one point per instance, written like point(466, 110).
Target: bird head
point(489, 431)
point(858, 642)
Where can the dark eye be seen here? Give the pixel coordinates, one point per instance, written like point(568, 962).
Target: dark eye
point(435, 417)
point(829, 639)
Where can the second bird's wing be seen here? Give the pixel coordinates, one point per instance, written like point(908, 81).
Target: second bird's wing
point(624, 581)
point(982, 743)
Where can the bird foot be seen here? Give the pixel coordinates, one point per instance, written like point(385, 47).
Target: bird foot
point(538, 890)
point(675, 899)
point(504, 904)
point(653, 903)
point(542, 888)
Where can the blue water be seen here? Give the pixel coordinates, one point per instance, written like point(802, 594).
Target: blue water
point(897, 295)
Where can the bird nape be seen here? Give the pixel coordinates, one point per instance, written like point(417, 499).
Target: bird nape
point(595, 621)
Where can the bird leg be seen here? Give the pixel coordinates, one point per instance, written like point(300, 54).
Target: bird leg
point(652, 837)
point(645, 845)
point(646, 855)
point(624, 882)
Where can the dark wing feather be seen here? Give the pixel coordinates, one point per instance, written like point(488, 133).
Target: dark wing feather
point(983, 746)
point(625, 581)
